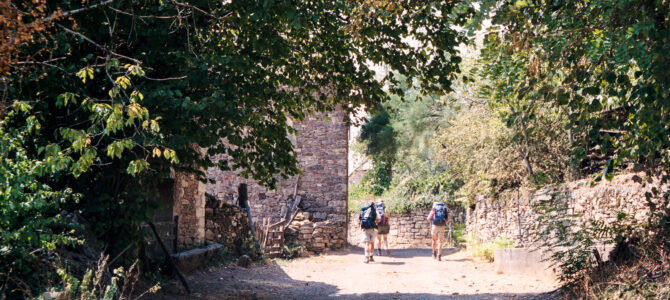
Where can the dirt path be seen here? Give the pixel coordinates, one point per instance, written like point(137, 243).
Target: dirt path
point(406, 274)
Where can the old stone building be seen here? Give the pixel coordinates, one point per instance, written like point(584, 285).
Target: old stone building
point(322, 147)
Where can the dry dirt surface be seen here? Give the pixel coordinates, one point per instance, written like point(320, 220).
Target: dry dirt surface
point(406, 274)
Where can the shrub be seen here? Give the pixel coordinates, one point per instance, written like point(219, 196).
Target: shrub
point(632, 270)
point(570, 243)
point(292, 250)
point(31, 225)
point(250, 246)
point(99, 283)
point(458, 237)
point(221, 256)
point(486, 250)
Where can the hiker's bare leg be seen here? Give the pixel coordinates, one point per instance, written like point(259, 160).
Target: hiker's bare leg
point(365, 250)
point(371, 249)
point(439, 248)
point(440, 236)
point(386, 244)
point(379, 244)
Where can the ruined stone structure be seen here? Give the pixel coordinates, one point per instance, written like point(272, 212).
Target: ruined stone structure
point(321, 146)
point(512, 213)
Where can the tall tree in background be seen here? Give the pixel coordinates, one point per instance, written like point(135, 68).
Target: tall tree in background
point(380, 145)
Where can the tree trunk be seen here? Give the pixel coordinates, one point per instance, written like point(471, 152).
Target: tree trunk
point(573, 164)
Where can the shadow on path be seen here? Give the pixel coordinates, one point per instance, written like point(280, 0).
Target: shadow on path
point(393, 263)
point(457, 260)
point(419, 252)
point(272, 282)
point(259, 282)
point(397, 253)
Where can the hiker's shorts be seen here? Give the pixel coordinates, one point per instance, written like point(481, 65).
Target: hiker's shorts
point(369, 235)
point(437, 231)
point(383, 228)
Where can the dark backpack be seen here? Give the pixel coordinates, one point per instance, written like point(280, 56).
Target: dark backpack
point(367, 216)
point(440, 217)
point(381, 209)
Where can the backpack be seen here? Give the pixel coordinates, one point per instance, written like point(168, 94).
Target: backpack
point(367, 216)
point(440, 217)
point(381, 209)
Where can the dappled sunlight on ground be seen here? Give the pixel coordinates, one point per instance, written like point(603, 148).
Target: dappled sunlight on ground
point(406, 274)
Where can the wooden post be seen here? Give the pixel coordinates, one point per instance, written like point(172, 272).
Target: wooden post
point(242, 195)
point(243, 200)
point(169, 258)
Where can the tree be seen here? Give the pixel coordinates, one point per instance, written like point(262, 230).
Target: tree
point(602, 62)
point(124, 92)
point(380, 145)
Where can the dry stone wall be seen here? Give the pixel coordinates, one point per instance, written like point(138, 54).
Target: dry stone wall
point(512, 213)
point(321, 146)
point(226, 224)
point(316, 236)
point(408, 230)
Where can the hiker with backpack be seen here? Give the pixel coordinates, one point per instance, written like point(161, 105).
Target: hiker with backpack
point(383, 228)
point(369, 220)
point(438, 219)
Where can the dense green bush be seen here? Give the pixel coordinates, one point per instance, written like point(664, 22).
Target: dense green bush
point(31, 223)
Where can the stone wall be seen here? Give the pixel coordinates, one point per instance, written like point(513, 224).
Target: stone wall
point(226, 224)
point(316, 236)
point(512, 214)
point(189, 205)
point(409, 230)
point(321, 147)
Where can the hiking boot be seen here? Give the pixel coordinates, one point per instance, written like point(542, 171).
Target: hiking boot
point(439, 257)
point(367, 260)
point(372, 259)
point(388, 252)
point(434, 254)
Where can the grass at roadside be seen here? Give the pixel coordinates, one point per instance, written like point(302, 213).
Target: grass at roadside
point(486, 250)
